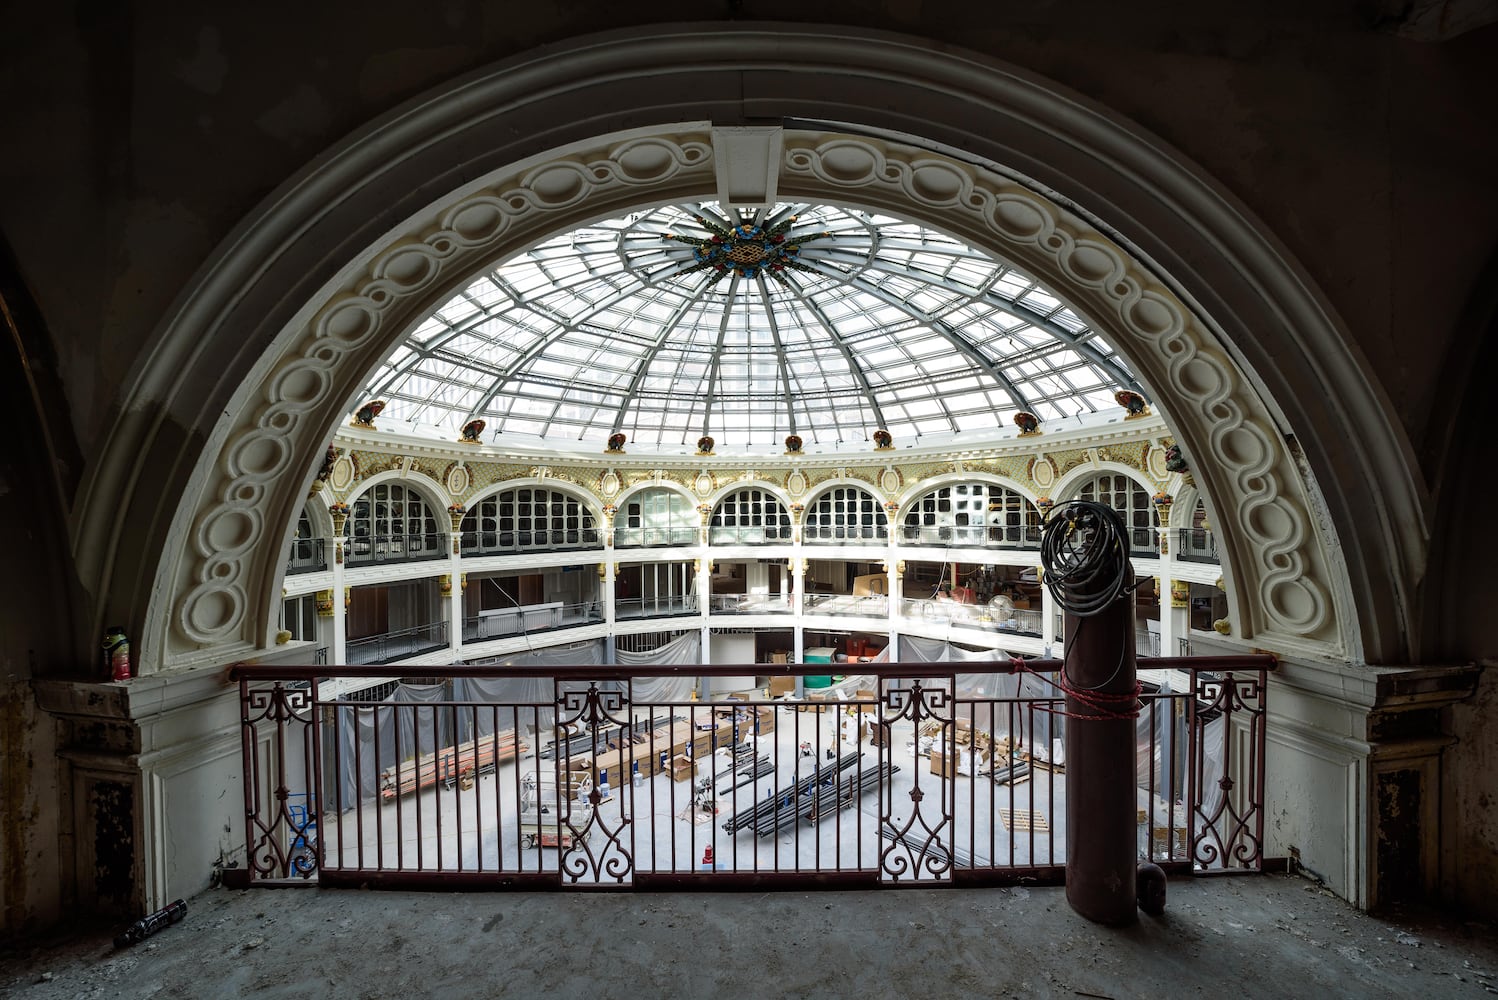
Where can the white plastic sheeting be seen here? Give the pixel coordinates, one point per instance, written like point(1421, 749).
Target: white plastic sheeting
point(684, 649)
point(407, 733)
point(402, 734)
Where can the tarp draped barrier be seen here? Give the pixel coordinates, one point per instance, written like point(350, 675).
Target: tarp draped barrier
point(684, 649)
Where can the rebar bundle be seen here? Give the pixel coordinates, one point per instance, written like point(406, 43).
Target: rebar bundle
point(823, 800)
point(787, 797)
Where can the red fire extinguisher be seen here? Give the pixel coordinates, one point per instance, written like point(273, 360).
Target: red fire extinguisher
point(117, 653)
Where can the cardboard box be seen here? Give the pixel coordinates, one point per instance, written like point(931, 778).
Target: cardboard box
point(942, 765)
point(782, 686)
point(683, 768)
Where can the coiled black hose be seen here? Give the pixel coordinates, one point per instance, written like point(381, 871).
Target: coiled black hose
point(1084, 549)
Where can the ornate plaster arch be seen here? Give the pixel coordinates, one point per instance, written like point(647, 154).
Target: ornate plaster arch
point(773, 489)
point(579, 493)
point(1068, 483)
point(429, 489)
point(815, 493)
point(913, 493)
point(312, 347)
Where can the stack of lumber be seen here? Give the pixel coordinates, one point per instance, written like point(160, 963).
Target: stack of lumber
point(447, 765)
point(574, 742)
point(653, 749)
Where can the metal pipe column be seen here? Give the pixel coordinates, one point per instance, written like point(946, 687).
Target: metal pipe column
point(1101, 828)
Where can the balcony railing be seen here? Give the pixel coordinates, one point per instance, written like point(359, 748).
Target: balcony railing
point(1020, 621)
point(1196, 545)
point(483, 543)
point(501, 622)
point(1144, 542)
point(653, 538)
point(396, 548)
point(845, 605)
point(655, 607)
point(838, 534)
point(745, 534)
point(751, 604)
point(909, 773)
point(971, 536)
point(307, 556)
point(388, 647)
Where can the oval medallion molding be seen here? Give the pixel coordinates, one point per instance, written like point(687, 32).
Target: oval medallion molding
point(1155, 463)
point(1283, 580)
point(458, 480)
point(1042, 472)
point(343, 474)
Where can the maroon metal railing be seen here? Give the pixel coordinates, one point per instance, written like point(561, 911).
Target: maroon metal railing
point(612, 776)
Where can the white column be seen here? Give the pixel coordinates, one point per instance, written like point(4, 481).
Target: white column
point(798, 587)
point(606, 595)
point(1163, 581)
point(340, 618)
point(896, 586)
point(455, 613)
point(1047, 615)
point(704, 589)
point(337, 645)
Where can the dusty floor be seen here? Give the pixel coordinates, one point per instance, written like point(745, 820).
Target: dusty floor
point(1270, 936)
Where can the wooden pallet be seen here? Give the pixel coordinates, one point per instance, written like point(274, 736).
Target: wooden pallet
point(1024, 821)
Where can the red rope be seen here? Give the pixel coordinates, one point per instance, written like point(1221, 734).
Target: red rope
point(1098, 701)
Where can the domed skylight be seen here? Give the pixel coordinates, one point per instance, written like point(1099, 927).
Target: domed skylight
point(823, 322)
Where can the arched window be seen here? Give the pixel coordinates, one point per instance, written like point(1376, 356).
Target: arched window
point(984, 514)
point(528, 519)
point(1132, 502)
point(307, 554)
point(392, 523)
point(846, 514)
point(655, 518)
point(750, 516)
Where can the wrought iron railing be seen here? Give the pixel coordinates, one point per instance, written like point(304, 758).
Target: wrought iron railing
point(751, 604)
point(844, 534)
point(846, 605)
point(501, 622)
point(749, 534)
point(307, 555)
point(396, 548)
point(481, 543)
point(653, 607)
point(1196, 545)
point(971, 536)
point(1144, 542)
point(607, 776)
point(387, 647)
point(632, 538)
point(1019, 621)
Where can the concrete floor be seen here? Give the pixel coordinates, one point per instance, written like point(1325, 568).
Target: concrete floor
point(1252, 936)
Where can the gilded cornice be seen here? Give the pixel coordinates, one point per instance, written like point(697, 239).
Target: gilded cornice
point(1133, 444)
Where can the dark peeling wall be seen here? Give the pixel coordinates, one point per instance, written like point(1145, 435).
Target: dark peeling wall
point(150, 132)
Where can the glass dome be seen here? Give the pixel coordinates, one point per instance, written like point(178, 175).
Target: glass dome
point(680, 322)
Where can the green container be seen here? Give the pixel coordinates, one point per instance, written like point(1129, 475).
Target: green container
point(816, 681)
